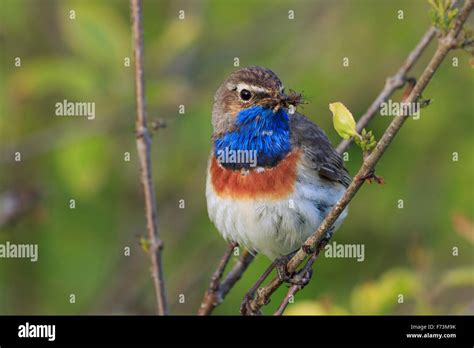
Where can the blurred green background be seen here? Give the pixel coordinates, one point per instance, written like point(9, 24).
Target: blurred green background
point(408, 251)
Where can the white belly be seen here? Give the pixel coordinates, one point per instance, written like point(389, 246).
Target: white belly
point(275, 227)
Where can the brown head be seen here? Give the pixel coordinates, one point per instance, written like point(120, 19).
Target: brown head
point(245, 88)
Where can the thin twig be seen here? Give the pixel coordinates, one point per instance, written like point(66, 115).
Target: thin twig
point(393, 83)
point(236, 272)
point(305, 272)
point(218, 289)
point(307, 269)
point(216, 277)
point(144, 155)
point(211, 296)
point(244, 309)
point(445, 44)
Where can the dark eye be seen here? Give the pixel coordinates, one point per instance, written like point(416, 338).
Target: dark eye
point(245, 94)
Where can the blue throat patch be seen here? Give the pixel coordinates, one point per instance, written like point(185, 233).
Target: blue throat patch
point(261, 138)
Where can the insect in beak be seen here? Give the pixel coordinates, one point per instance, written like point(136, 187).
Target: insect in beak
point(289, 101)
point(282, 100)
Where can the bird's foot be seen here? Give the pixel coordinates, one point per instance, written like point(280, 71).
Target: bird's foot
point(282, 268)
point(245, 308)
point(300, 278)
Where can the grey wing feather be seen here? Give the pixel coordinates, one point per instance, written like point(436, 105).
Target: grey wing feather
point(318, 149)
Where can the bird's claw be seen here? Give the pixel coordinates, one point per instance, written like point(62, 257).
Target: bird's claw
point(301, 278)
point(282, 268)
point(246, 307)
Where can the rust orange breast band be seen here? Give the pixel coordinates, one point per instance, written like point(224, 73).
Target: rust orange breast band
point(274, 183)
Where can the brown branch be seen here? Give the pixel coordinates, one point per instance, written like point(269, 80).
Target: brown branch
point(218, 289)
point(305, 272)
point(216, 277)
point(245, 306)
point(391, 84)
point(445, 44)
point(144, 155)
point(211, 297)
point(236, 273)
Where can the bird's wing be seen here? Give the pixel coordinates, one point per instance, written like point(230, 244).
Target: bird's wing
point(317, 149)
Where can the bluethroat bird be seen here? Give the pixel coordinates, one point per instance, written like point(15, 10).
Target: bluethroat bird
point(273, 175)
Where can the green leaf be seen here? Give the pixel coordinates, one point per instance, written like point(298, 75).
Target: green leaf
point(145, 244)
point(343, 121)
point(441, 16)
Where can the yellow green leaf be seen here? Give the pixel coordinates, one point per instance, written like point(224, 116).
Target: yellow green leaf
point(344, 122)
point(145, 244)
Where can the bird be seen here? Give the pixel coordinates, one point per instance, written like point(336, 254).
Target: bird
point(272, 175)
